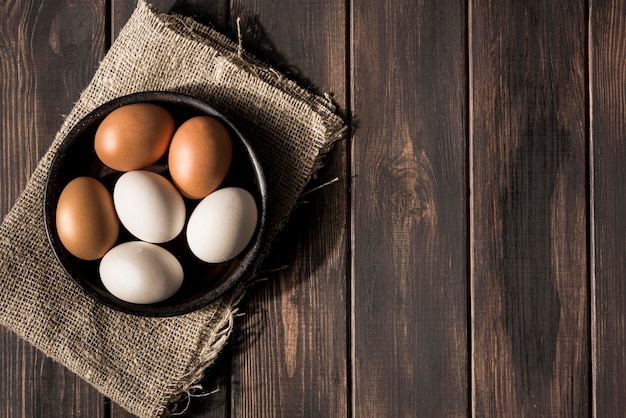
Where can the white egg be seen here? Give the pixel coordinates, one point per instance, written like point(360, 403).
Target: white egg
point(141, 272)
point(222, 224)
point(149, 206)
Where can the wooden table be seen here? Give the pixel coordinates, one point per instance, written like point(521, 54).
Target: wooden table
point(469, 260)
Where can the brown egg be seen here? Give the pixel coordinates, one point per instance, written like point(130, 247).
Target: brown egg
point(85, 219)
point(134, 136)
point(200, 156)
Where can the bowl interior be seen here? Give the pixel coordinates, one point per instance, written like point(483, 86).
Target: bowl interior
point(204, 282)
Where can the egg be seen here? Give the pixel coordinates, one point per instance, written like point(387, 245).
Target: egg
point(199, 156)
point(141, 272)
point(86, 222)
point(149, 206)
point(134, 136)
point(222, 224)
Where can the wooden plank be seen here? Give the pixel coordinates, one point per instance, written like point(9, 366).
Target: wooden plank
point(32, 385)
point(217, 380)
point(409, 215)
point(291, 344)
point(529, 208)
point(48, 51)
point(608, 170)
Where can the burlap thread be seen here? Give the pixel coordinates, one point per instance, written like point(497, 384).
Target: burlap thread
point(146, 364)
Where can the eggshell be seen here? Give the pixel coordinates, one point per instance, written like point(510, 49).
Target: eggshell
point(134, 136)
point(86, 222)
point(222, 224)
point(149, 206)
point(140, 272)
point(199, 156)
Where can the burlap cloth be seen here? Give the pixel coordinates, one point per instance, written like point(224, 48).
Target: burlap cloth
point(147, 364)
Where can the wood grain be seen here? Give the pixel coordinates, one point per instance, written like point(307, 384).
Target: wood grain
point(529, 208)
point(291, 343)
point(608, 170)
point(48, 51)
point(409, 215)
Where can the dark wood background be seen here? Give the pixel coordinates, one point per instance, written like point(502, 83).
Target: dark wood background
point(470, 259)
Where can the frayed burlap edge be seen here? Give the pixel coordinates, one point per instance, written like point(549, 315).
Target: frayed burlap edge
point(215, 340)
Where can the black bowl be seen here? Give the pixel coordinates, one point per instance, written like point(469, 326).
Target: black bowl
point(204, 282)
